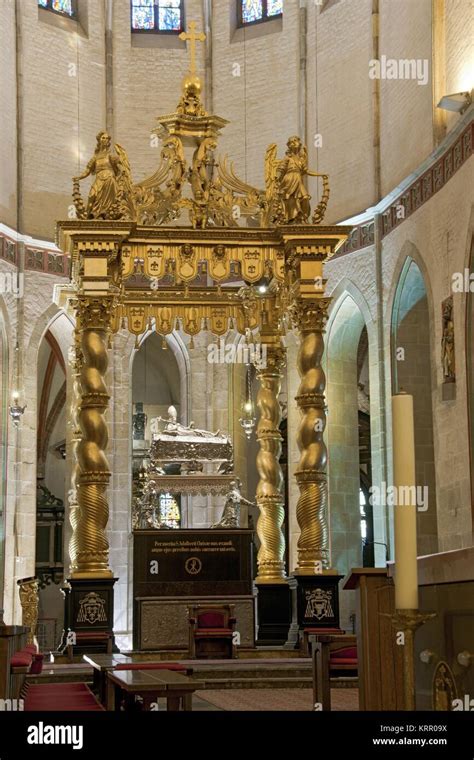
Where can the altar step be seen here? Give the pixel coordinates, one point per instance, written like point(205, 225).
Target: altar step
point(251, 673)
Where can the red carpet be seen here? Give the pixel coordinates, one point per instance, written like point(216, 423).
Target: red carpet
point(60, 697)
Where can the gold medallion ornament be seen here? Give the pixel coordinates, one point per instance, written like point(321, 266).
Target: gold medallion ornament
point(200, 274)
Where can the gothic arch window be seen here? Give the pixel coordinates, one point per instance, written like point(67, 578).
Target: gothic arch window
point(157, 16)
point(255, 11)
point(63, 7)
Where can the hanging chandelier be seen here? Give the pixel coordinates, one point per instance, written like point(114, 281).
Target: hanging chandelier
point(247, 418)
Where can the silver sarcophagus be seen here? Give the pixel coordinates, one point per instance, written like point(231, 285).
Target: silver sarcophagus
point(188, 446)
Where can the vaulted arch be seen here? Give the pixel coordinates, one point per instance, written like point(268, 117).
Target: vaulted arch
point(411, 372)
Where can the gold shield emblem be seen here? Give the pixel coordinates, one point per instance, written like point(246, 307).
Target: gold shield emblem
point(154, 262)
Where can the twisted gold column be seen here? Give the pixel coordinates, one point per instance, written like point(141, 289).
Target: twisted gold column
point(89, 542)
point(269, 497)
point(311, 509)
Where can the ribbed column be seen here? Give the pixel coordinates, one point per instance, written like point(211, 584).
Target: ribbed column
point(269, 496)
point(90, 544)
point(311, 476)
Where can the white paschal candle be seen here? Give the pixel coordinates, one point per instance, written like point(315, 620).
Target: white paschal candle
point(406, 569)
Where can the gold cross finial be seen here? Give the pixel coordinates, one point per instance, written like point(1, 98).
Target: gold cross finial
point(193, 37)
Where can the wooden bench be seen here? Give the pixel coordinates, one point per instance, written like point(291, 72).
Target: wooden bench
point(305, 633)
point(103, 663)
point(125, 685)
point(323, 646)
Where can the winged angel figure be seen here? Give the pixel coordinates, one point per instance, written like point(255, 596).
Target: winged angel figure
point(286, 195)
point(285, 199)
point(112, 195)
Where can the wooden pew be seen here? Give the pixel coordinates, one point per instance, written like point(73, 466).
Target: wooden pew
point(322, 646)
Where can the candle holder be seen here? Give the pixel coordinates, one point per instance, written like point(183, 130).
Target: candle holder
point(408, 622)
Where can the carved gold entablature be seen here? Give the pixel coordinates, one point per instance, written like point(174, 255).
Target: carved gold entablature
point(172, 263)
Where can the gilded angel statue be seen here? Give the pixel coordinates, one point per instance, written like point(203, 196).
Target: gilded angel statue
point(112, 193)
point(285, 191)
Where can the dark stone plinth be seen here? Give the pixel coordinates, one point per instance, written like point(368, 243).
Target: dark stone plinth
point(316, 603)
point(89, 609)
point(273, 613)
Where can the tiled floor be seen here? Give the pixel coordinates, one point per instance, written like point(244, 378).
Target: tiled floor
point(272, 699)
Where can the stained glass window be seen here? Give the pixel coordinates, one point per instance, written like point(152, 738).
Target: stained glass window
point(64, 7)
point(157, 15)
point(169, 511)
point(274, 7)
point(253, 11)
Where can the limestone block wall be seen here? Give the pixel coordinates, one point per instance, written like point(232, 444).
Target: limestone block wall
point(9, 144)
point(307, 73)
point(404, 36)
point(61, 100)
point(438, 237)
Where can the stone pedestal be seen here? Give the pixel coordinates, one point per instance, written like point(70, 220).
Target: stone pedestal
point(90, 610)
point(176, 569)
point(273, 613)
point(316, 602)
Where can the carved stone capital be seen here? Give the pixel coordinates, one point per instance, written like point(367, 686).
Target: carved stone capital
point(270, 361)
point(309, 315)
point(96, 313)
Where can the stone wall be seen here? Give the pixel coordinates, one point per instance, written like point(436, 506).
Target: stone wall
point(307, 73)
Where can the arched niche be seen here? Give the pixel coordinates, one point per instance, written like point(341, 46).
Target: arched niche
point(411, 372)
point(160, 379)
point(156, 379)
point(347, 370)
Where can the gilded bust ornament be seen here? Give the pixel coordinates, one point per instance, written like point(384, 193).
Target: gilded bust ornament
point(111, 195)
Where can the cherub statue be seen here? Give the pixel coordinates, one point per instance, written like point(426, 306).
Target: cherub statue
point(231, 515)
point(112, 193)
point(284, 181)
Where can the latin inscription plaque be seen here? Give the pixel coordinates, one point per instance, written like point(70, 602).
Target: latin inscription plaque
point(192, 562)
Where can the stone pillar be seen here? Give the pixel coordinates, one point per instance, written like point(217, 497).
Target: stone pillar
point(269, 496)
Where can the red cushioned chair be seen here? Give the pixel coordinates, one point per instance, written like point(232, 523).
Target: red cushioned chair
point(343, 659)
point(211, 629)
